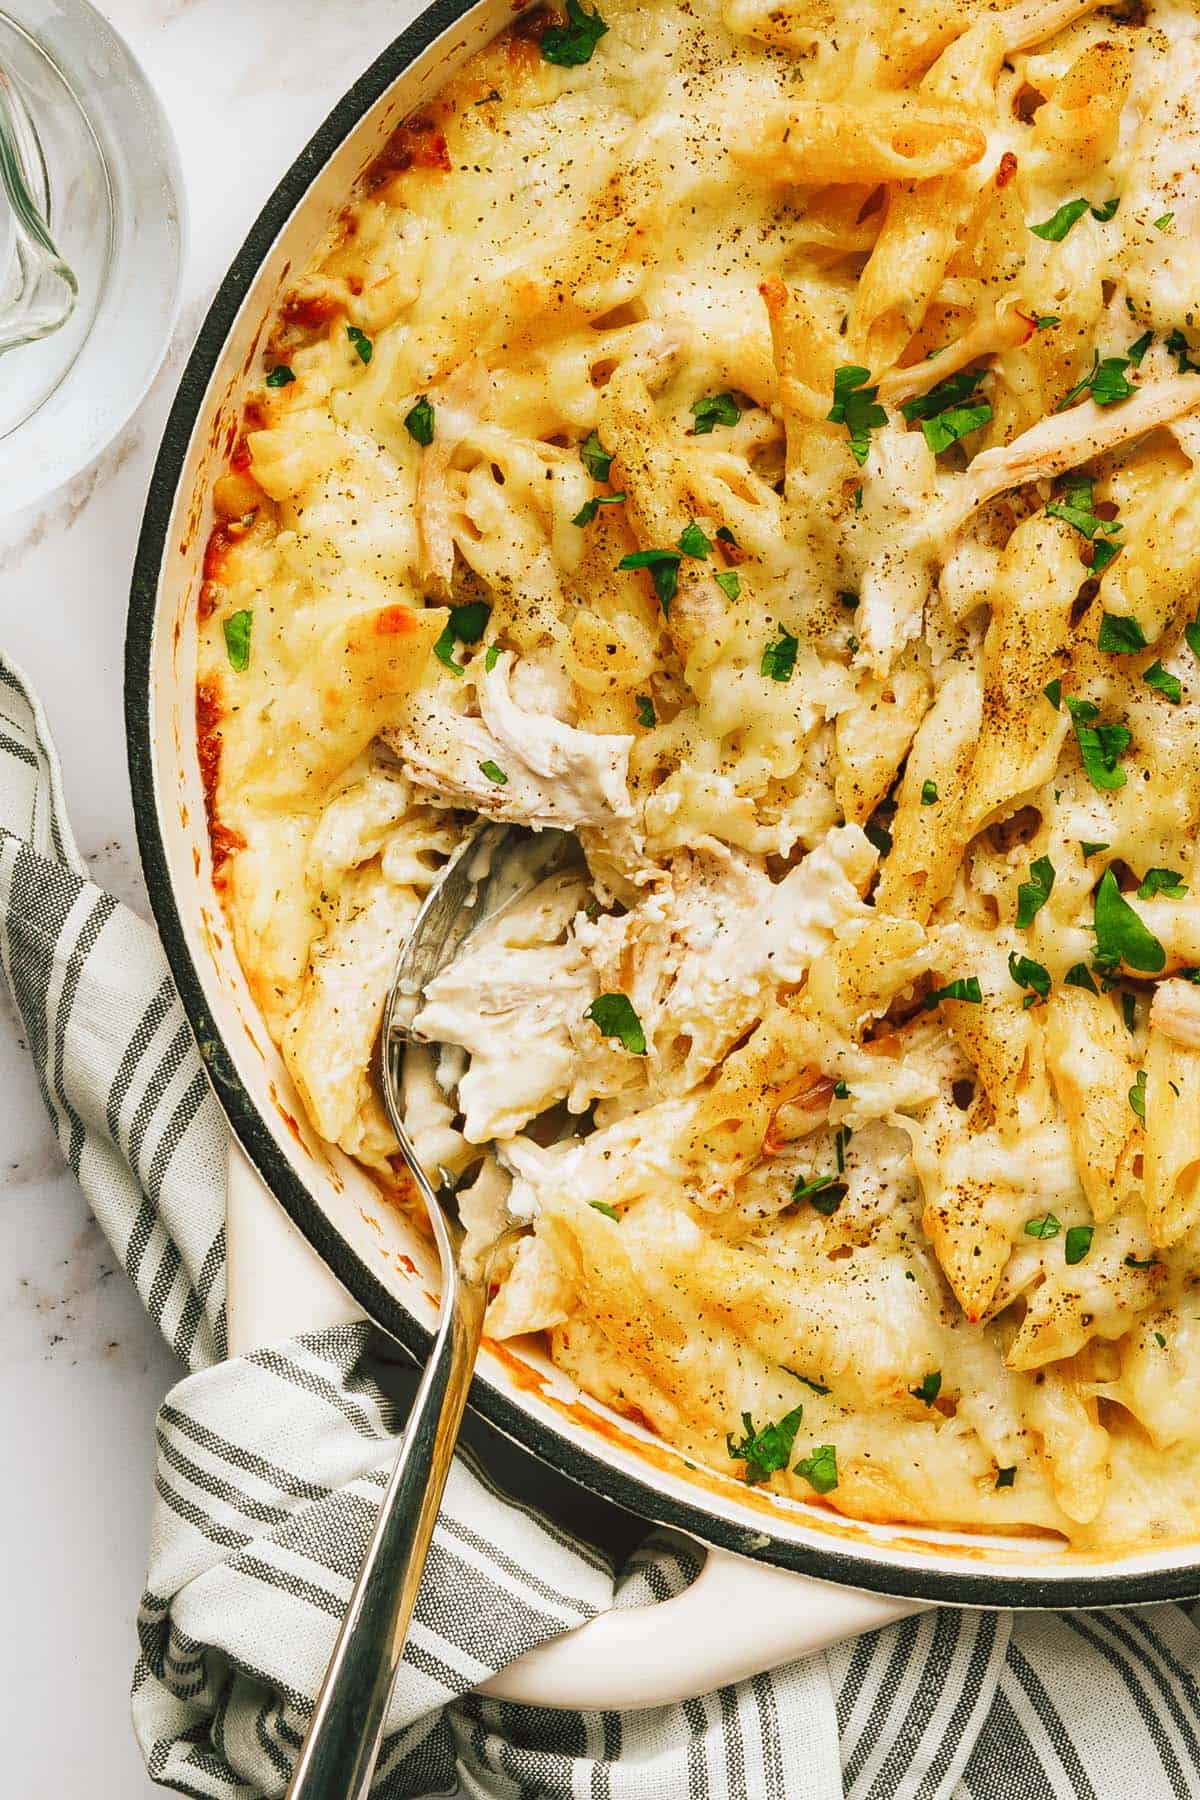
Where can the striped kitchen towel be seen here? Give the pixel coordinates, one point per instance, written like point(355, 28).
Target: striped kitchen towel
point(270, 1468)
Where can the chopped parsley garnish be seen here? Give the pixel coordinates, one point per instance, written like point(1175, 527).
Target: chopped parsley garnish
point(1076, 507)
point(841, 1138)
point(729, 582)
point(818, 1387)
point(610, 1212)
point(572, 43)
point(1033, 894)
point(645, 711)
point(1137, 1095)
point(614, 1017)
point(1046, 321)
point(1178, 347)
point(1163, 220)
point(1106, 210)
point(1161, 881)
point(1163, 682)
point(1053, 692)
point(1045, 1227)
point(590, 508)
point(943, 412)
point(418, 422)
point(363, 346)
point(594, 457)
point(713, 410)
point(664, 571)
point(1141, 1262)
point(494, 772)
point(1160, 1340)
point(1078, 1242)
point(1139, 348)
point(1006, 1477)
point(1129, 1012)
point(492, 657)
point(820, 1469)
point(779, 658)
point(1120, 935)
point(824, 1193)
point(1105, 381)
point(841, 1090)
point(1079, 976)
point(693, 542)
point(855, 405)
point(237, 640)
point(1055, 228)
point(466, 625)
point(1100, 746)
point(1120, 636)
point(965, 988)
point(930, 1388)
point(1029, 974)
point(929, 793)
point(280, 376)
point(765, 1451)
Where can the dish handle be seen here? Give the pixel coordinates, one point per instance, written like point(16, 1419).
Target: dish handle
point(737, 1618)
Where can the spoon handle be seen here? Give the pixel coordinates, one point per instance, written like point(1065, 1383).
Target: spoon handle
point(337, 1759)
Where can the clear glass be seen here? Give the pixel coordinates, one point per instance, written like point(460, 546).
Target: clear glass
point(91, 241)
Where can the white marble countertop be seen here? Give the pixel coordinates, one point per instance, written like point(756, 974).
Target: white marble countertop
point(244, 83)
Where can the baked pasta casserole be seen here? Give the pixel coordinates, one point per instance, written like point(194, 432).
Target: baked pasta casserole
point(763, 439)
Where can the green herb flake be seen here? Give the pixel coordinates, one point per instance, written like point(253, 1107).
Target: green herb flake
point(841, 1090)
point(855, 405)
point(1120, 636)
point(1106, 210)
point(693, 542)
point(664, 571)
point(280, 376)
point(1006, 1477)
point(492, 657)
point(610, 1212)
point(1078, 1242)
point(1139, 347)
point(1137, 1095)
point(1033, 894)
point(1031, 975)
point(1053, 692)
point(1181, 350)
point(494, 773)
point(841, 1138)
point(1079, 976)
point(1129, 1012)
point(237, 640)
point(1120, 935)
point(614, 1017)
point(645, 711)
point(965, 988)
point(1076, 508)
point(820, 1469)
point(1054, 229)
point(1161, 881)
point(824, 1193)
point(818, 1387)
point(1105, 381)
point(1047, 321)
point(948, 427)
point(929, 793)
point(364, 348)
point(1160, 1340)
point(418, 422)
point(594, 457)
point(1163, 682)
point(571, 44)
point(1090, 848)
point(779, 658)
point(766, 1451)
point(1163, 221)
point(1047, 1226)
point(930, 1387)
point(466, 625)
point(590, 508)
point(713, 410)
point(729, 582)
point(1100, 746)
point(1140, 1262)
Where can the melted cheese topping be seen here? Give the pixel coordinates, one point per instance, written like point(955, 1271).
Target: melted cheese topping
point(868, 336)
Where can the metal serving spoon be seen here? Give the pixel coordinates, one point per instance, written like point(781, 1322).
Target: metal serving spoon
point(496, 866)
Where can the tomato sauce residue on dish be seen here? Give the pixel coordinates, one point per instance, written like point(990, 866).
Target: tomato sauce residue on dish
point(416, 143)
point(223, 840)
